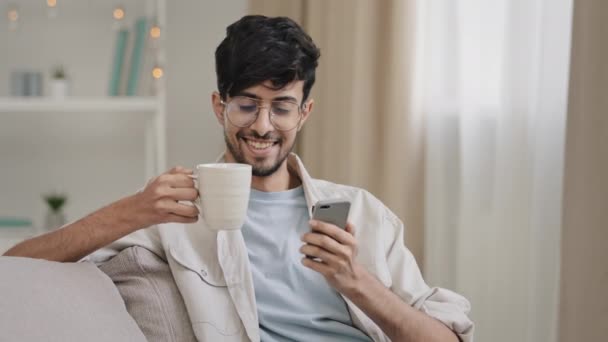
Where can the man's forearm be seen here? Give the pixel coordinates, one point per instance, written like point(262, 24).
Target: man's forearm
point(77, 240)
point(398, 320)
point(158, 202)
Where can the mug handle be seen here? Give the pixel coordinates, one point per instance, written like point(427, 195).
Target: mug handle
point(197, 201)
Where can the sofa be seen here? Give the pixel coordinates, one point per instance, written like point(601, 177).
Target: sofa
point(132, 297)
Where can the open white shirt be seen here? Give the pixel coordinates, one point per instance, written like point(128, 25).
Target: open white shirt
point(212, 270)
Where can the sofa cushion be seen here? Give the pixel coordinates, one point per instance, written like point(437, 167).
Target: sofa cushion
point(50, 301)
point(152, 298)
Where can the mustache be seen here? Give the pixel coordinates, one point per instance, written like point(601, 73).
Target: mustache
point(257, 136)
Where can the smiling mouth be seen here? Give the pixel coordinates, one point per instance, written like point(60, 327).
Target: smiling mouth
point(259, 145)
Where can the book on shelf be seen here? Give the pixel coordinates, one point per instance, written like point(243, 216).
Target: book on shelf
point(15, 222)
point(137, 56)
point(118, 62)
point(25, 83)
point(146, 81)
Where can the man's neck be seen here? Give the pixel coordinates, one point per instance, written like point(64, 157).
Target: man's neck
point(283, 179)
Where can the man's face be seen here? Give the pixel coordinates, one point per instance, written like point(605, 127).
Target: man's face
point(261, 145)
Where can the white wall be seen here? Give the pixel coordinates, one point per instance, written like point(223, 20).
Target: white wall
point(195, 30)
point(99, 158)
point(81, 37)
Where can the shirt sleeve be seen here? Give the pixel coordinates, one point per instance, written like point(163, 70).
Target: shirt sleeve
point(447, 306)
point(148, 238)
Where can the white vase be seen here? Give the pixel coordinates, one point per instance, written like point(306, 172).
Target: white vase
point(60, 88)
point(54, 219)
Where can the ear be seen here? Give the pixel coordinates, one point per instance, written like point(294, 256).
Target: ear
point(218, 107)
point(306, 111)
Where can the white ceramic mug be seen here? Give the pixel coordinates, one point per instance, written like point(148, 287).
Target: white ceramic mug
point(224, 194)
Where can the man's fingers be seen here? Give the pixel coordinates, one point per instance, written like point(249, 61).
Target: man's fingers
point(183, 194)
point(178, 180)
point(317, 252)
point(317, 266)
point(323, 241)
point(332, 231)
point(181, 219)
point(184, 210)
point(347, 250)
point(180, 169)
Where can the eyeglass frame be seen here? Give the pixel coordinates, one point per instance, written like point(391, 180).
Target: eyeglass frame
point(259, 110)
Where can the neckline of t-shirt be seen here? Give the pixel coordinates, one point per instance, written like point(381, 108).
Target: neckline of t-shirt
point(277, 195)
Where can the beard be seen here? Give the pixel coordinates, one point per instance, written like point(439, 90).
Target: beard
point(258, 169)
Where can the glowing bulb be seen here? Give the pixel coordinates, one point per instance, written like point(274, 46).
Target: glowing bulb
point(118, 13)
point(51, 3)
point(155, 32)
point(157, 72)
point(13, 15)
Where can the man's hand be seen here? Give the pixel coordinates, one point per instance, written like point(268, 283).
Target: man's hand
point(334, 251)
point(158, 202)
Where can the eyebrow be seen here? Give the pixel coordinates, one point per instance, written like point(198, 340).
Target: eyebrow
point(278, 98)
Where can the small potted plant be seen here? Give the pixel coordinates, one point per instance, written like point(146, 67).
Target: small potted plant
point(55, 217)
point(59, 83)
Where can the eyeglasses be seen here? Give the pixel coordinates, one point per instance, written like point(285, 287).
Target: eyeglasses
point(242, 112)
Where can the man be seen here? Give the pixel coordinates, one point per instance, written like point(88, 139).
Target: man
point(357, 284)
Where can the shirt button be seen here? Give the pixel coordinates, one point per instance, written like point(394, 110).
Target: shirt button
point(204, 273)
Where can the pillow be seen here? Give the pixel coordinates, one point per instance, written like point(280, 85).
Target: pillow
point(50, 301)
point(146, 284)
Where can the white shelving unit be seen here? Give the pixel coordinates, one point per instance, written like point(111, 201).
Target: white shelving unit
point(154, 106)
point(78, 104)
point(153, 109)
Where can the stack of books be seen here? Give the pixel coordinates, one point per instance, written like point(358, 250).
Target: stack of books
point(26, 83)
point(126, 74)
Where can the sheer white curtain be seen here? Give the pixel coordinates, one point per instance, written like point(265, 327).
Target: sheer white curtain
point(493, 80)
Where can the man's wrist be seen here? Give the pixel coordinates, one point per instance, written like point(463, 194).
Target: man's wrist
point(123, 214)
point(363, 286)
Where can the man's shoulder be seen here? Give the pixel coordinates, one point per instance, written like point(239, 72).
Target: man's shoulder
point(328, 189)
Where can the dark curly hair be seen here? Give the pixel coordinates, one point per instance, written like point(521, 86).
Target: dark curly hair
point(258, 49)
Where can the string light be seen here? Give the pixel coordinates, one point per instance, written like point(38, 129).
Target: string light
point(118, 13)
point(155, 32)
point(13, 15)
point(157, 72)
point(51, 10)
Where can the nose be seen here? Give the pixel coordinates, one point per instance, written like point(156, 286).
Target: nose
point(262, 124)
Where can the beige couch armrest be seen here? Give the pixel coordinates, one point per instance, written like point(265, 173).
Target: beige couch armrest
point(49, 301)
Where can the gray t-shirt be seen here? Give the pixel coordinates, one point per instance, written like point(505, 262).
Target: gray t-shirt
point(294, 302)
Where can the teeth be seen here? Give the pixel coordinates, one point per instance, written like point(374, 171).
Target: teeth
point(259, 145)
